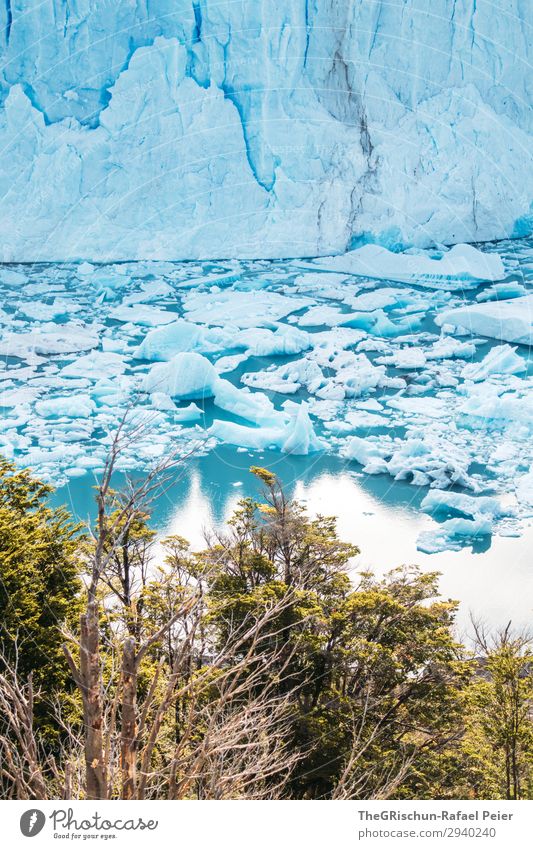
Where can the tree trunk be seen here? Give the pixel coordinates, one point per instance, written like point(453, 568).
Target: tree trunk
point(128, 728)
point(92, 704)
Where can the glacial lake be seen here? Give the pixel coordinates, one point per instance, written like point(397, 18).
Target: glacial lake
point(358, 392)
point(493, 582)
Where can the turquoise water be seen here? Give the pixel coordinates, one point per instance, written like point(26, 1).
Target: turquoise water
point(107, 312)
point(493, 582)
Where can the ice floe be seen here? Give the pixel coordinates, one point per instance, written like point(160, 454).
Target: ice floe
point(500, 360)
point(461, 266)
point(508, 320)
point(401, 379)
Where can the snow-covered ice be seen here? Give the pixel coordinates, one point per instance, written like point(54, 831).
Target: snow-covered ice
point(160, 130)
point(461, 266)
point(267, 355)
point(508, 320)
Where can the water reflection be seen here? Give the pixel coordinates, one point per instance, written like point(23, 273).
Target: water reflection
point(381, 516)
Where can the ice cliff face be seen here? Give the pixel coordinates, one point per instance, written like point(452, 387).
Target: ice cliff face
point(178, 129)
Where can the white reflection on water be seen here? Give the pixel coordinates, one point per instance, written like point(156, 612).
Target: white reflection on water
point(495, 585)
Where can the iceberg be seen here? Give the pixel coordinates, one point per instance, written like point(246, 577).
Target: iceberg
point(72, 406)
point(440, 502)
point(163, 343)
point(453, 534)
point(186, 376)
point(242, 309)
point(296, 436)
point(508, 320)
point(190, 376)
point(501, 359)
point(461, 266)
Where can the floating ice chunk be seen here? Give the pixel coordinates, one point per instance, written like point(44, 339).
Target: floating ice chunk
point(510, 321)
point(256, 438)
point(460, 265)
point(75, 472)
point(209, 279)
point(191, 413)
point(448, 348)
point(17, 397)
point(370, 404)
point(374, 346)
point(163, 343)
point(84, 269)
point(116, 346)
point(328, 343)
point(513, 289)
point(71, 406)
point(49, 339)
point(261, 342)
point(160, 401)
point(379, 299)
point(524, 489)
point(294, 437)
point(446, 501)
point(96, 365)
point(143, 315)
point(487, 407)
point(428, 407)
point(192, 376)
point(287, 379)
point(322, 316)
point(356, 374)
point(355, 420)
point(230, 363)
point(365, 451)
point(185, 376)
point(405, 358)
point(452, 534)
point(18, 374)
point(10, 277)
point(49, 312)
point(252, 406)
point(429, 461)
point(242, 309)
point(301, 437)
point(154, 290)
point(378, 323)
point(500, 360)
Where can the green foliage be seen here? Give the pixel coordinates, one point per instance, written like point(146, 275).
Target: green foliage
point(376, 664)
point(498, 743)
point(383, 702)
point(39, 579)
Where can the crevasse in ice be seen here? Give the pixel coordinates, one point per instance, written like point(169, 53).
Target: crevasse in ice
point(176, 129)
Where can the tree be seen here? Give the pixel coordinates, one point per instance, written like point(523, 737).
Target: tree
point(39, 582)
point(498, 744)
point(375, 666)
point(135, 660)
point(258, 668)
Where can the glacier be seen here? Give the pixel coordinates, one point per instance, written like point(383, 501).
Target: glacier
point(187, 129)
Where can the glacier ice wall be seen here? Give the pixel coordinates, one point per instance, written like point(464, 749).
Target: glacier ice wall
point(176, 129)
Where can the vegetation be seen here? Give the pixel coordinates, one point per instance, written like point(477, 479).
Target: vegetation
point(256, 668)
